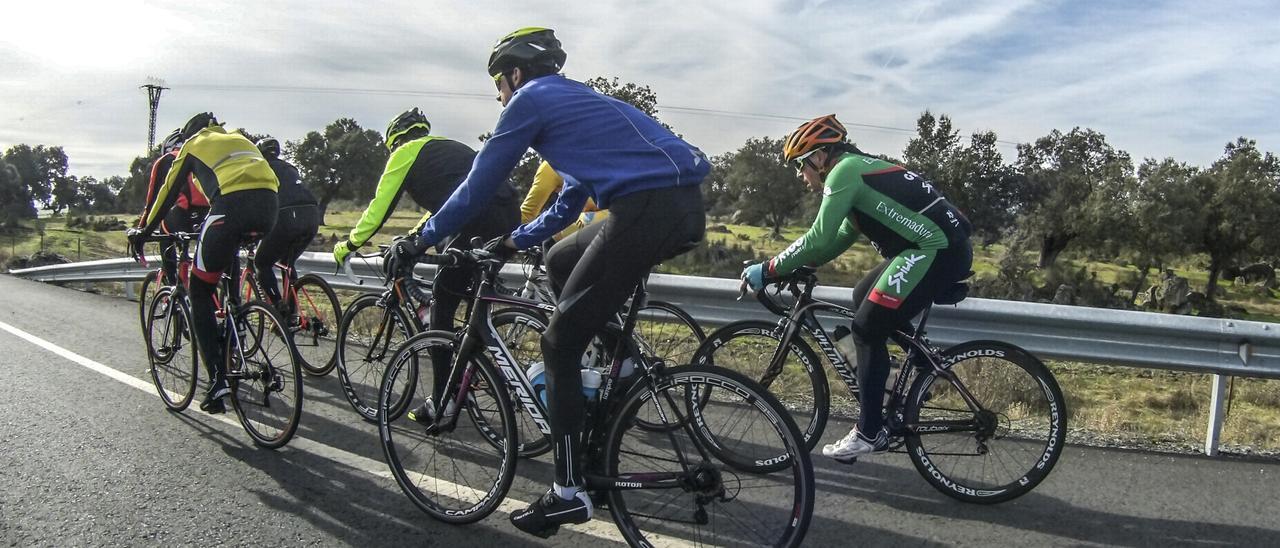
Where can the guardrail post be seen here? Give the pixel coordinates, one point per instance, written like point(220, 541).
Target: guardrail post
point(129, 293)
point(1217, 405)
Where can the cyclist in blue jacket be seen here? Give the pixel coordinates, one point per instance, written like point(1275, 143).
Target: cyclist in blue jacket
point(606, 150)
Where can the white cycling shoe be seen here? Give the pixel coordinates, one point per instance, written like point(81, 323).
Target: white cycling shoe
point(855, 445)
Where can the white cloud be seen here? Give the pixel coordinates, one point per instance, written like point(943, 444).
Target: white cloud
point(1165, 78)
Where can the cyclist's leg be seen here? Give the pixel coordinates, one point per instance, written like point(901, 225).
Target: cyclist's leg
point(233, 216)
point(888, 298)
point(274, 247)
point(644, 229)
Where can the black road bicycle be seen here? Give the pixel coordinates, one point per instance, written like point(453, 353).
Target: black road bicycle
point(983, 421)
point(696, 455)
point(376, 324)
point(261, 366)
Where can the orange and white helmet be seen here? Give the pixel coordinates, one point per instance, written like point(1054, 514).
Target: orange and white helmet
point(813, 135)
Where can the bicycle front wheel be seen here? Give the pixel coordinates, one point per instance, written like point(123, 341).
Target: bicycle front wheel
point(267, 392)
point(748, 346)
point(316, 332)
point(1004, 448)
point(716, 502)
point(171, 349)
point(147, 290)
point(667, 332)
point(451, 471)
point(368, 336)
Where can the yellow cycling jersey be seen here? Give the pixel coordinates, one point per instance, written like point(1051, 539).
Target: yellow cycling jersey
point(221, 163)
point(545, 183)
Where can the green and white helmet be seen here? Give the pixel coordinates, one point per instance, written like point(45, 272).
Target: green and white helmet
point(529, 46)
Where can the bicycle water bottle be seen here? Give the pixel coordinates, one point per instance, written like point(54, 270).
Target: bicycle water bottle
point(591, 380)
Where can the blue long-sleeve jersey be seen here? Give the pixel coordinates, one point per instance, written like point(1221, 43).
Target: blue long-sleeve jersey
point(604, 148)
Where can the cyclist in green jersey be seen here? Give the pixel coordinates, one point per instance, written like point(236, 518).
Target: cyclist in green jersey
point(923, 238)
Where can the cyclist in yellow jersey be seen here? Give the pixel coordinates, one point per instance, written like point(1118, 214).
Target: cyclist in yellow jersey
point(241, 190)
point(547, 182)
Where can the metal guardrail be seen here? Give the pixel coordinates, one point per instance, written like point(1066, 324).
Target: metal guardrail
point(1222, 347)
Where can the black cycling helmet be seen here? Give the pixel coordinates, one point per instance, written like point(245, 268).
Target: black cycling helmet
point(172, 142)
point(406, 121)
point(529, 46)
point(269, 147)
point(197, 123)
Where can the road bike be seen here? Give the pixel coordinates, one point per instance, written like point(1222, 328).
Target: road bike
point(261, 366)
point(983, 421)
point(311, 308)
point(694, 454)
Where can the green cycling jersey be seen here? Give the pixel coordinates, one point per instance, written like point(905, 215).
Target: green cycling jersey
point(896, 209)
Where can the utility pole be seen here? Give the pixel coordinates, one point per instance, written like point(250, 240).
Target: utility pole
point(154, 88)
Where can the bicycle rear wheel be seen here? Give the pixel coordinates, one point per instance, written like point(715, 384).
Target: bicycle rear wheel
point(316, 334)
point(718, 503)
point(368, 336)
point(453, 473)
point(171, 350)
point(267, 395)
point(1016, 436)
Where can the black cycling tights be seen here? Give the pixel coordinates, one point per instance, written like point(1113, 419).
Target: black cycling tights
point(234, 218)
point(295, 227)
point(595, 271)
point(873, 324)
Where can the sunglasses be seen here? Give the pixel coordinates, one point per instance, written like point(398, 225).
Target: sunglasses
point(803, 160)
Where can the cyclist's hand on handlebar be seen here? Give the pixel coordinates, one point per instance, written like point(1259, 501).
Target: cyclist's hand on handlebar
point(754, 276)
point(137, 242)
point(342, 250)
point(502, 247)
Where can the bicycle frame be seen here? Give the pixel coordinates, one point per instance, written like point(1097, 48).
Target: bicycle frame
point(803, 315)
point(480, 331)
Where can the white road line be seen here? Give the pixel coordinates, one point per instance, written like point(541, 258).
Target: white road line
point(598, 528)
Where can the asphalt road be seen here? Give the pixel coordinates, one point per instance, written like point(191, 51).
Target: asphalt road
point(90, 457)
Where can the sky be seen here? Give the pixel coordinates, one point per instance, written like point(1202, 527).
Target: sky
point(1159, 79)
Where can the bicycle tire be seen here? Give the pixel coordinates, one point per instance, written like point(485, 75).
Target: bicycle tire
point(789, 488)
point(976, 364)
point(175, 381)
point(270, 373)
point(406, 460)
point(523, 339)
point(146, 292)
point(360, 374)
point(316, 334)
point(671, 333)
point(746, 346)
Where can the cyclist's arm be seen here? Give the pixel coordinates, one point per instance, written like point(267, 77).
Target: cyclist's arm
point(417, 227)
point(545, 182)
point(517, 127)
point(831, 233)
point(182, 168)
point(560, 215)
point(158, 171)
point(390, 187)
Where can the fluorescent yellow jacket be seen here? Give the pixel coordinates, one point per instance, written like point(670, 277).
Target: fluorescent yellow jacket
point(221, 163)
point(545, 183)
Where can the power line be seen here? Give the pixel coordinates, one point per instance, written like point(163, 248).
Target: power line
point(489, 97)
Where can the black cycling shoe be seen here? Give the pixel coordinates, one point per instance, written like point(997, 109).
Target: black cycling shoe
point(212, 403)
point(544, 517)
